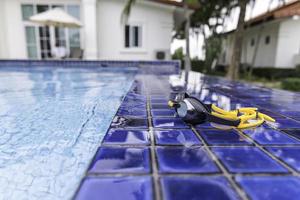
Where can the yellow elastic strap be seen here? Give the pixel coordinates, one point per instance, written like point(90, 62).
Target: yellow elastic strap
point(228, 117)
point(251, 125)
point(171, 104)
point(223, 112)
point(266, 117)
point(249, 113)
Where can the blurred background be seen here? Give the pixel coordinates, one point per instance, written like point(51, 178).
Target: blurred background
point(250, 40)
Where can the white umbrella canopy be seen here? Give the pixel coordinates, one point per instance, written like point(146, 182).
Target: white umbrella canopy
point(56, 17)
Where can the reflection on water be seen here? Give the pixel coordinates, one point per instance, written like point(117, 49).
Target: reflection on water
point(52, 120)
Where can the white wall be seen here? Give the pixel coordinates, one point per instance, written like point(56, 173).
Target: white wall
point(15, 46)
point(288, 43)
point(157, 22)
point(2, 32)
point(266, 53)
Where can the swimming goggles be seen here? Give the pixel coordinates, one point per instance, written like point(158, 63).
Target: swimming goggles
point(194, 111)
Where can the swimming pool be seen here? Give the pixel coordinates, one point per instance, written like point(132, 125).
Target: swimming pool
point(52, 120)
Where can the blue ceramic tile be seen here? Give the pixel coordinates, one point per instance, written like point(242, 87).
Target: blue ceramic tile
point(169, 123)
point(153, 97)
point(295, 133)
point(285, 124)
point(176, 137)
point(121, 136)
point(179, 188)
point(110, 188)
point(271, 187)
point(132, 112)
point(184, 160)
point(163, 113)
point(269, 136)
point(133, 106)
point(247, 160)
point(129, 122)
point(160, 106)
point(290, 155)
point(159, 101)
point(120, 160)
point(206, 125)
point(223, 137)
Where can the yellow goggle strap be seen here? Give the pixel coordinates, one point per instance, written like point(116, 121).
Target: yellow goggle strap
point(248, 113)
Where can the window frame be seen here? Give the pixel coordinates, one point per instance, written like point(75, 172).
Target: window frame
point(50, 6)
point(131, 38)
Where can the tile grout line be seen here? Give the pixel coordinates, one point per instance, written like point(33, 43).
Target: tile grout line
point(290, 169)
point(157, 191)
point(287, 134)
point(224, 171)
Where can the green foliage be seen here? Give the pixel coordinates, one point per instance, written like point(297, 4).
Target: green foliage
point(212, 47)
point(178, 54)
point(127, 10)
point(291, 84)
point(212, 13)
point(298, 68)
point(272, 73)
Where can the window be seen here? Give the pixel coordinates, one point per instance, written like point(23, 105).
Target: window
point(267, 39)
point(27, 11)
point(252, 42)
point(74, 33)
point(31, 42)
point(74, 10)
point(40, 40)
point(41, 8)
point(133, 36)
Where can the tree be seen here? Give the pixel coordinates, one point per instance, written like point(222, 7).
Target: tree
point(178, 54)
point(212, 46)
point(209, 19)
point(233, 71)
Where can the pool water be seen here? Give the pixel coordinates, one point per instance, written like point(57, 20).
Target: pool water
point(52, 120)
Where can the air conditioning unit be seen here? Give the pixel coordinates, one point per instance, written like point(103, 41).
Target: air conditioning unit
point(161, 55)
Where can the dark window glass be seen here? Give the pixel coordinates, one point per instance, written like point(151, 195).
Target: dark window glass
point(267, 40)
point(136, 36)
point(58, 6)
point(42, 8)
point(252, 43)
point(27, 11)
point(127, 36)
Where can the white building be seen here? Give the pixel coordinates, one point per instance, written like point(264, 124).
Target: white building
point(275, 36)
point(146, 36)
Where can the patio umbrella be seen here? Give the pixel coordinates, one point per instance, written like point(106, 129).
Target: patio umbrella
point(56, 17)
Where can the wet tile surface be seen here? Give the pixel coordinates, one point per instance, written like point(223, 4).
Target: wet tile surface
point(290, 155)
point(127, 137)
point(270, 136)
point(184, 160)
point(176, 137)
point(247, 160)
point(270, 187)
point(223, 137)
point(121, 159)
point(178, 188)
point(109, 188)
point(169, 123)
point(207, 161)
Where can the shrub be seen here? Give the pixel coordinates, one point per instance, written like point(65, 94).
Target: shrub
point(291, 84)
point(275, 73)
